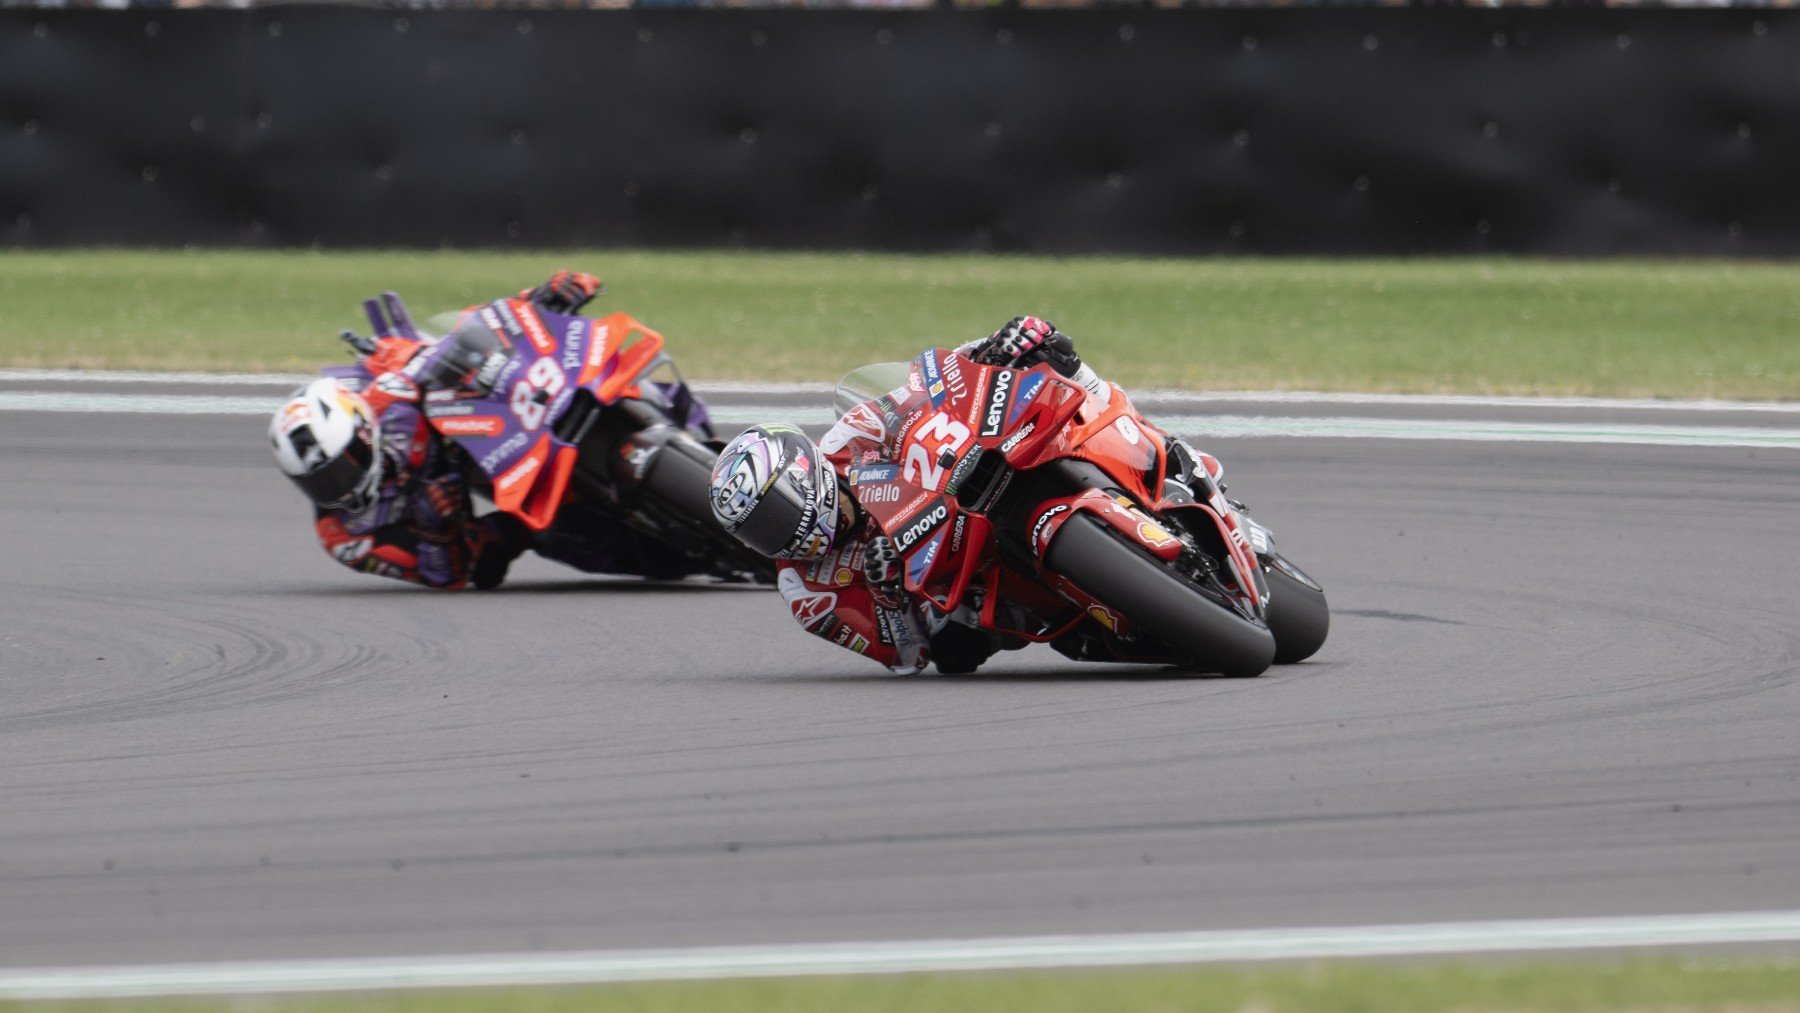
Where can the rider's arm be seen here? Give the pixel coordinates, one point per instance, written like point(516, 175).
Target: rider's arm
point(1027, 341)
point(399, 550)
point(831, 599)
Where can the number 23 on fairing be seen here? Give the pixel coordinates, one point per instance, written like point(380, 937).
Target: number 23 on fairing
point(947, 436)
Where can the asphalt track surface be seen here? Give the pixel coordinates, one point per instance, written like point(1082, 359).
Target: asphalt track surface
point(1561, 682)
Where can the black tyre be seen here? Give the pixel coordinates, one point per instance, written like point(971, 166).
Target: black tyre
point(1141, 587)
point(1297, 616)
point(680, 478)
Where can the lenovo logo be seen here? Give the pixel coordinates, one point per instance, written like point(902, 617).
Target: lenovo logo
point(996, 403)
point(924, 525)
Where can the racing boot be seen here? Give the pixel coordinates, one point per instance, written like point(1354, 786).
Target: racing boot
point(959, 650)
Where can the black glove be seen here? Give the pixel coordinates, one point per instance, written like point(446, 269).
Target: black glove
point(881, 565)
point(1027, 341)
point(439, 505)
point(565, 292)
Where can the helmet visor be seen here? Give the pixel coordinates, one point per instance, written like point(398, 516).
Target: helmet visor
point(774, 525)
point(338, 482)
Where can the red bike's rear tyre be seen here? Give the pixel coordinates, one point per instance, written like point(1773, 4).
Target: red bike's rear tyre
point(1141, 587)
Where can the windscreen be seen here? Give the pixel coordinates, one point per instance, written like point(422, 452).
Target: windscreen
point(869, 383)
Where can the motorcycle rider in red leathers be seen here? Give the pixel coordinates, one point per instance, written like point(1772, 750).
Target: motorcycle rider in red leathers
point(388, 500)
point(786, 497)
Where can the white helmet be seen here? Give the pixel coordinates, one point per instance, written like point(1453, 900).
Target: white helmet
point(328, 441)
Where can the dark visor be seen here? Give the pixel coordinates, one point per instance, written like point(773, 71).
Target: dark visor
point(772, 526)
point(339, 478)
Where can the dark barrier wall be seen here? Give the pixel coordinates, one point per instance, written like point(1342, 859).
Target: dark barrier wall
point(1190, 131)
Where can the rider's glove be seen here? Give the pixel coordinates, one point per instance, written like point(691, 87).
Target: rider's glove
point(565, 292)
point(1027, 341)
point(881, 565)
point(439, 503)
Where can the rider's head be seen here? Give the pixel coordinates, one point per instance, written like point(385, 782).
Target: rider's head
point(776, 492)
point(327, 440)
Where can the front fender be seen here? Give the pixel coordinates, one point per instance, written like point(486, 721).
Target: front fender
point(1203, 521)
point(1137, 527)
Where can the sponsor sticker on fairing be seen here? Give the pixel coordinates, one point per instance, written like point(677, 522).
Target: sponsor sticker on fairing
point(963, 469)
point(1029, 385)
point(920, 563)
point(596, 354)
point(1017, 438)
point(1154, 533)
point(993, 416)
point(874, 473)
point(572, 339)
point(1043, 521)
point(878, 492)
point(499, 316)
point(489, 374)
point(492, 459)
point(923, 524)
point(954, 383)
point(535, 330)
point(473, 425)
point(934, 379)
point(520, 472)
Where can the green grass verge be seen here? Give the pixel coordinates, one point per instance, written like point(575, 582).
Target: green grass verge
point(1663, 986)
point(1678, 329)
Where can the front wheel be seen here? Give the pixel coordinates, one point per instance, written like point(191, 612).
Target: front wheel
point(1297, 616)
point(1131, 581)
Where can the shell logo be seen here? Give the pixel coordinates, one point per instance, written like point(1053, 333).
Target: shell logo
point(1154, 533)
point(1104, 617)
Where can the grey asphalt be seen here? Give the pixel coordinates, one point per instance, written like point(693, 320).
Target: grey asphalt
point(1561, 682)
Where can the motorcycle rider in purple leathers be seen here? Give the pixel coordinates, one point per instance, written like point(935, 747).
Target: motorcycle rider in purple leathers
point(391, 498)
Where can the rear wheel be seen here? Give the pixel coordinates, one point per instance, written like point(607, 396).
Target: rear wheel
point(1131, 581)
point(680, 479)
point(1297, 616)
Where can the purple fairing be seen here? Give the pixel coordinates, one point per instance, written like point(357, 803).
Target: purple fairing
point(688, 410)
point(525, 392)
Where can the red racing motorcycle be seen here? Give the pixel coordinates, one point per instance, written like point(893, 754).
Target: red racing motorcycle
point(1027, 505)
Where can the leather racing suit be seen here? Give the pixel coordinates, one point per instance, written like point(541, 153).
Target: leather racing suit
point(835, 597)
point(421, 526)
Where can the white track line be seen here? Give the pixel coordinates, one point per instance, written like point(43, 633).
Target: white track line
point(526, 969)
point(810, 389)
point(1197, 426)
point(121, 376)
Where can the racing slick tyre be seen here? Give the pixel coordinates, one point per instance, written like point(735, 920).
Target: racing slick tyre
point(681, 479)
point(1131, 581)
point(1297, 616)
